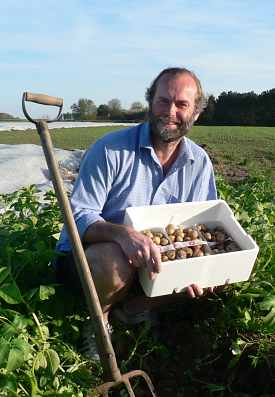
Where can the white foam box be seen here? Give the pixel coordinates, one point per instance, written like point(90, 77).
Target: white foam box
point(207, 271)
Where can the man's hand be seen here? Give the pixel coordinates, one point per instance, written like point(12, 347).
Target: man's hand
point(194, 291)
point(140, 250)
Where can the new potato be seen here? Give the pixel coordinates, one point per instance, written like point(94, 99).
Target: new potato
point(220, 241)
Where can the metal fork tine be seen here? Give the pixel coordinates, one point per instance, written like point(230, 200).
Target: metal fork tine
point(129, 388)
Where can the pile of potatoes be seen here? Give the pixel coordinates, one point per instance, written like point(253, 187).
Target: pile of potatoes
point(218, 240)
point(177, 242)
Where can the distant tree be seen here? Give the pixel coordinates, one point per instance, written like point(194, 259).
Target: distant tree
point(248, 103)
point(116, 111)
point(84, 109)
point(136, 113)
point(114, 105)
point(75, 111)
point(103, 112)
point(233, 108)
point(6, 116)
point(266, 108)
point(136, 107)
point(67, 116)
point(207, 116)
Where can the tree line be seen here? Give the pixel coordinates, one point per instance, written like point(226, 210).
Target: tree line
point(229, 108)
point(233, 108)
point(7, 117)
point(86, 110)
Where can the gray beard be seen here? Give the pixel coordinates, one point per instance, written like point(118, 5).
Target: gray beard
point(165, 134)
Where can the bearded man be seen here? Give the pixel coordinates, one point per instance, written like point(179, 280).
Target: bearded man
point(151, 163)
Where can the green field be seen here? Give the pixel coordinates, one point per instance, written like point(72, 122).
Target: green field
point(250, 146)
point(221, 345)
point(243, 148)
point(65, 138)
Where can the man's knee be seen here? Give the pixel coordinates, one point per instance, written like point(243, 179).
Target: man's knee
point(109, 265)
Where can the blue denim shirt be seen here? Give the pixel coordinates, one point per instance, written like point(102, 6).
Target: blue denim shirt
point(122, 170)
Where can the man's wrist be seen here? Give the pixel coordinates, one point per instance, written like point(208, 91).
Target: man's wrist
point(121, 232)
point(105, 231)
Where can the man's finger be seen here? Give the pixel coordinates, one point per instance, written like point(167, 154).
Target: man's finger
point(190, 292)
point(149, 264)
point(156, 259)
point(197, 290)
point(137, 260)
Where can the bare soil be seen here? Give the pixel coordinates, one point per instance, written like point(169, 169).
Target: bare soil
point(188, 354)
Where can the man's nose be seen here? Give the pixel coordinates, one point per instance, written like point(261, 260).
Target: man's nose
point(172, 109)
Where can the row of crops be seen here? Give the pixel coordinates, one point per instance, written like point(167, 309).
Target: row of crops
point(39, 334)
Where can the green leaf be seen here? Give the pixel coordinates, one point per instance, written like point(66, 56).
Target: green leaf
point(268, 303)
point(45, 292)
point(43, 381)
point(44, 330)
point(15, 359)
point(247, 317)
point(17, 326)
point(40, 361)
point(269, 319)
point(8, 382)
point(52, 360)
point(4, 351)
point(10, 293)
point(215, 388)
point(23, 346)
point(8, 331)
point(34, 220)
point(56, 236)
point(4, 273)
point(56, 383)
point(18, 353)
point(243, 216)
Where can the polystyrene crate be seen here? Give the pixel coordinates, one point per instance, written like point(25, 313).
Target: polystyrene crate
point(206, 271)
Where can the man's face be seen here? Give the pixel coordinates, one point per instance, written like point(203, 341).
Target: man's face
point(172, 112)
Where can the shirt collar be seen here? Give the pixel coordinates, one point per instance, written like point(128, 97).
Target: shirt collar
point(145, 142)
point(186, 149)
point(145, 136)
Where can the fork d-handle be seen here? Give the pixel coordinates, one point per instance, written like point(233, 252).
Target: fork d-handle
point(106, 351)
point(42, 99)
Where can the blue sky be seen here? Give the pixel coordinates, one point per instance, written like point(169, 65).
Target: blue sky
point(113, 49)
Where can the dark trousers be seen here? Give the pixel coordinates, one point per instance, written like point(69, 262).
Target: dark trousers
point(66, 272)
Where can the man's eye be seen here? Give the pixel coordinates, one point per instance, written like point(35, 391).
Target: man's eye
point(163, 102)
point(182, 105)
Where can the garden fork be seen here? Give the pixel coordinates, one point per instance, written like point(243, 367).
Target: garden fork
point(112, 375)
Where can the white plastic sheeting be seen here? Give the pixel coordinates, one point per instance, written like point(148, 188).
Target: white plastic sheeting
point(25, 125)
point(24, 165)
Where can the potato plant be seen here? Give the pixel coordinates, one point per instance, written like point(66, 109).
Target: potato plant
point(38, 337)
point(39, 334)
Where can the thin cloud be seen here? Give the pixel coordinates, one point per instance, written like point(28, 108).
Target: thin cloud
point(85, 49)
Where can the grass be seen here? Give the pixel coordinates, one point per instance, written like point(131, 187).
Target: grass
point(249, 147)
point(64, 138)
point(252, 148)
